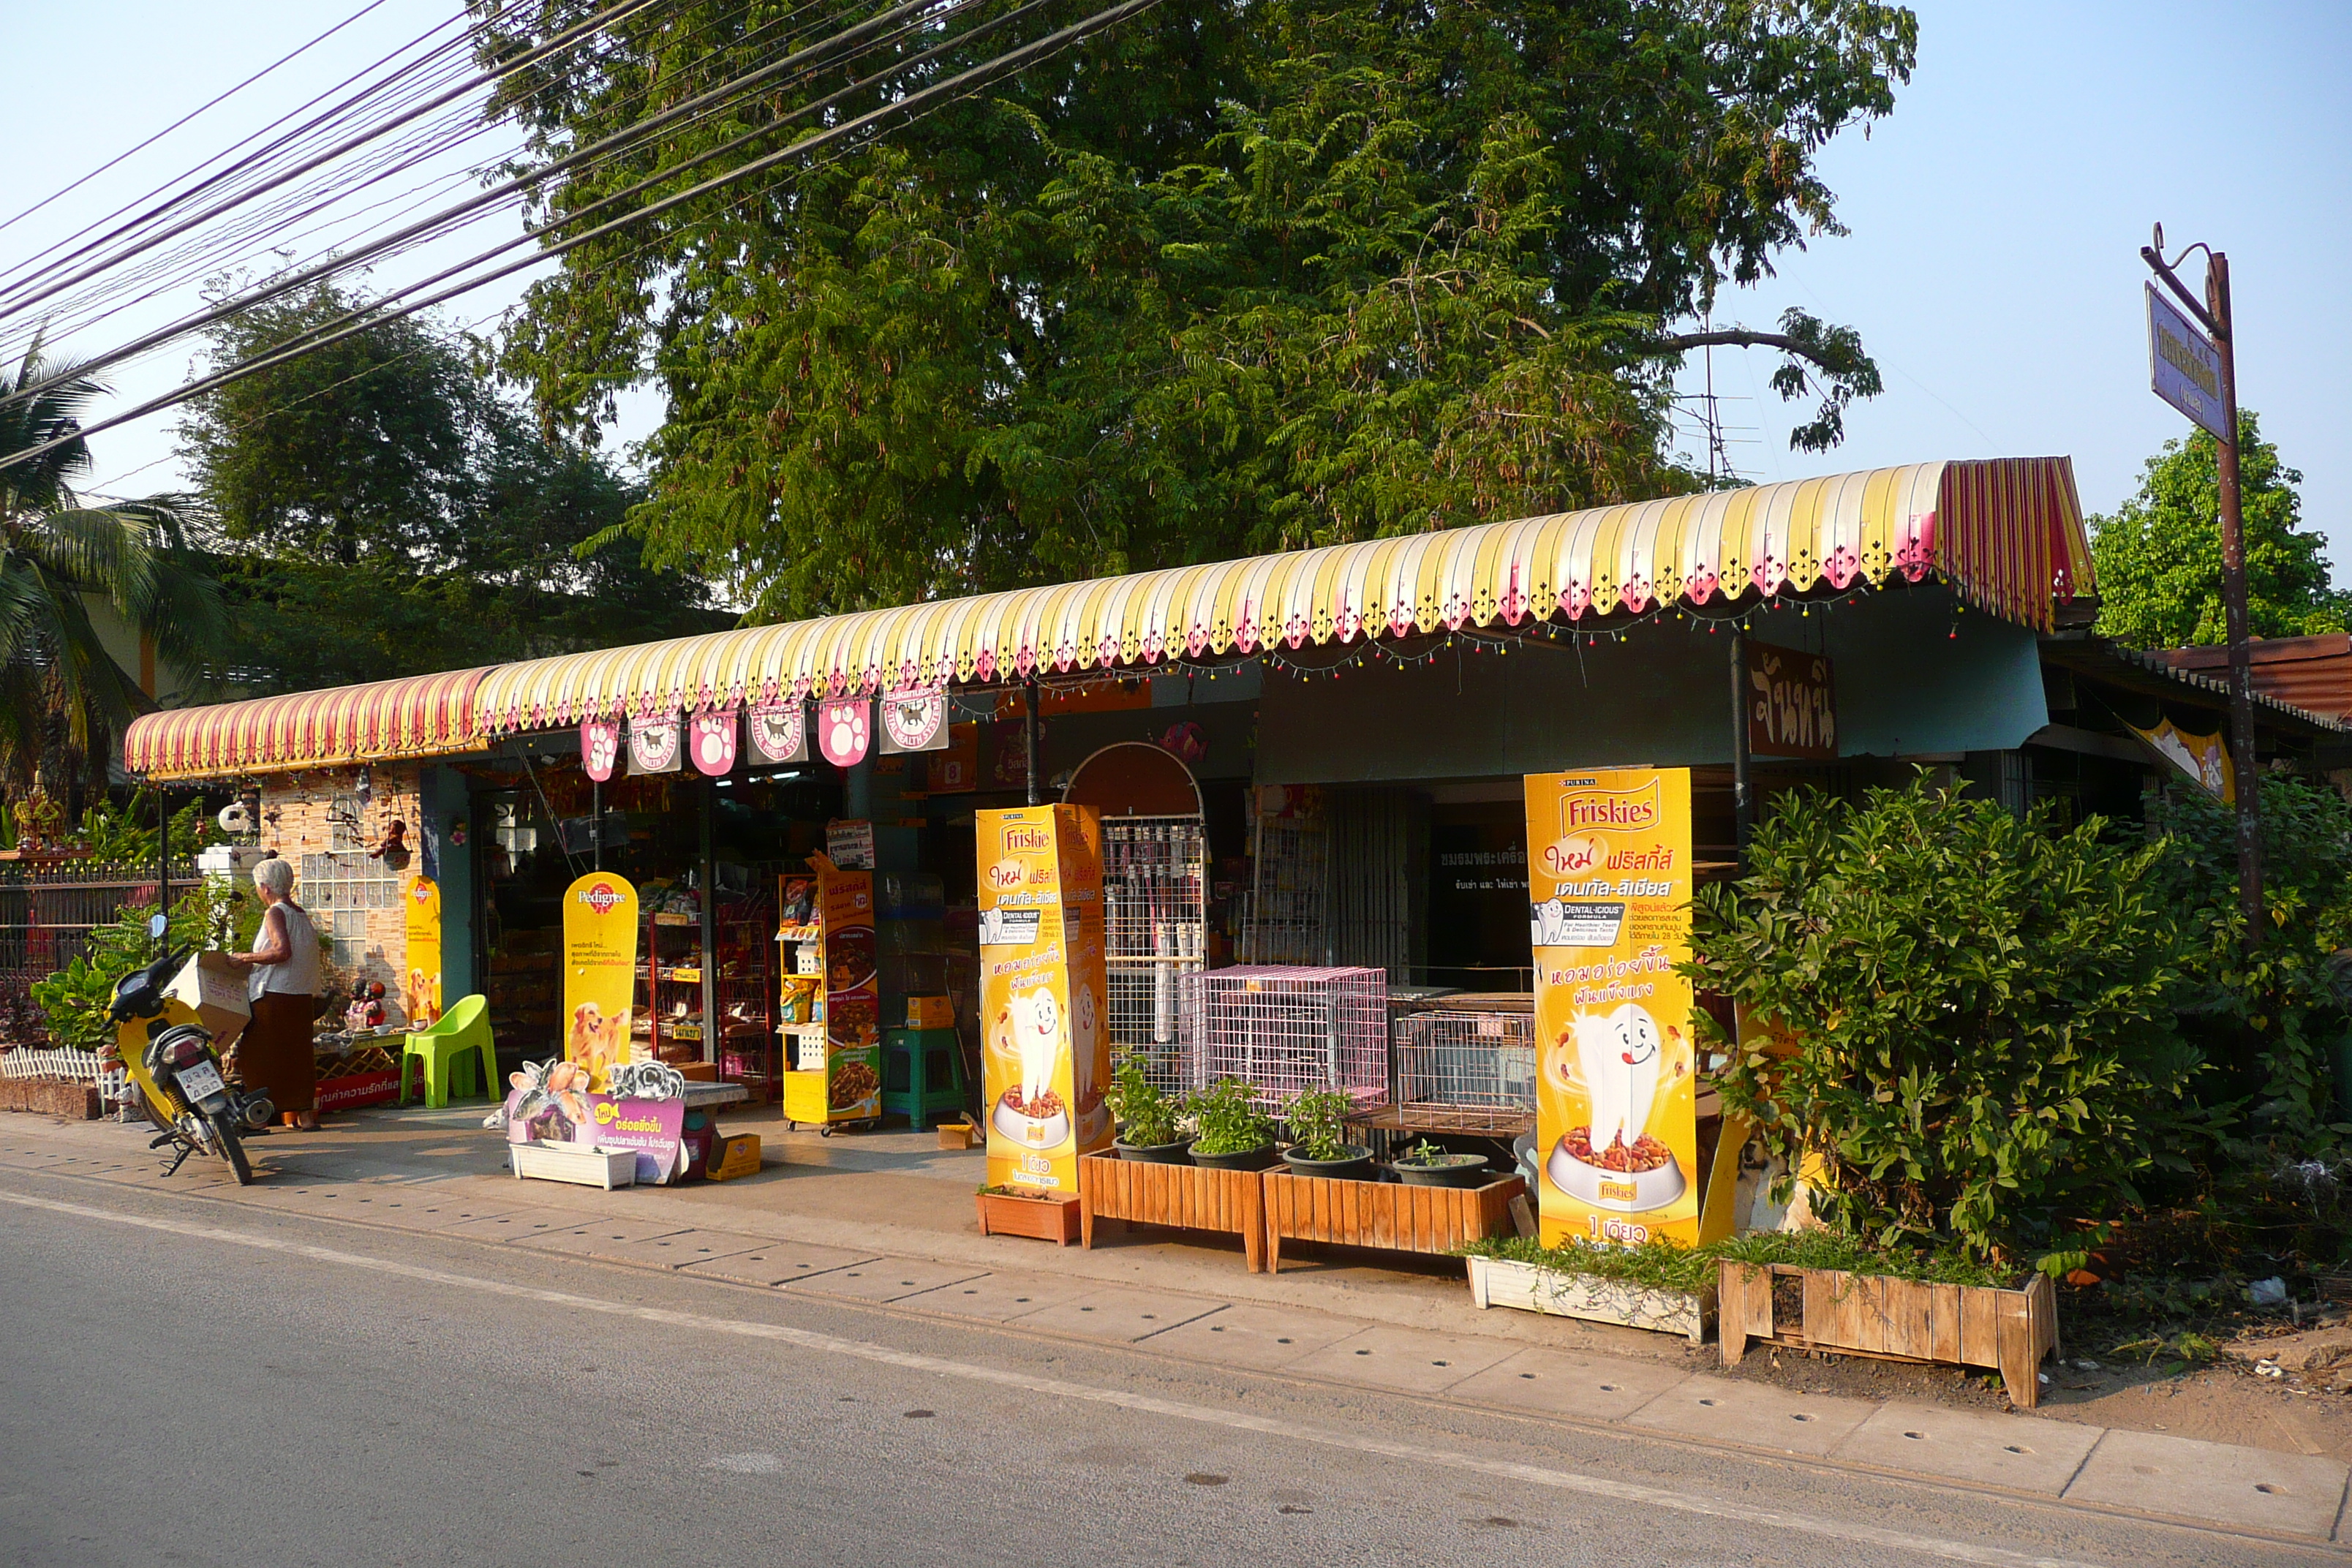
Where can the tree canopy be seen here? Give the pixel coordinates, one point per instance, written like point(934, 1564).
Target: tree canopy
point(2158, 557)
point(381, 511)
point(1235, 276)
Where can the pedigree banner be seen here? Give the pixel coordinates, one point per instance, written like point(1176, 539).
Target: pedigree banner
point(600, 963)
point(420, 997)
point(1042, 988)
point(1608, 884)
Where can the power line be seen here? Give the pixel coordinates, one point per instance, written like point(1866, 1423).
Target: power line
point(912, 105)
point(805, 60)
point(557, 45)
point(209, 104)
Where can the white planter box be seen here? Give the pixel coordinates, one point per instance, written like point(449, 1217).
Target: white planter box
point(1500, 1282)
point(585, 1167)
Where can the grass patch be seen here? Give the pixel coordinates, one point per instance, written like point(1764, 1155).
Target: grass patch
point(1663, 1266)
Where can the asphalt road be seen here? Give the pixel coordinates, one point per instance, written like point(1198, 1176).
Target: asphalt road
point(312, 1392)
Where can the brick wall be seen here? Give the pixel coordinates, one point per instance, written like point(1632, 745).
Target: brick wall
point(354, 900)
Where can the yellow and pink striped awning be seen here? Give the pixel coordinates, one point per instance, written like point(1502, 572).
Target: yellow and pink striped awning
point(2006, 533)
point(425, 715)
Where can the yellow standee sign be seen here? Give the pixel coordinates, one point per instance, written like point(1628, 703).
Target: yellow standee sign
point(1609, 889)
point(420, 903)
point(600, 973)
point(1043, 990)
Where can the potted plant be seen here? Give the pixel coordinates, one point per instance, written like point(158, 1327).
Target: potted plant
point(1231, 1132)
point(1318, 1145)
point(1428, 1164)
point(1020, 1211)
point(1147, 1117)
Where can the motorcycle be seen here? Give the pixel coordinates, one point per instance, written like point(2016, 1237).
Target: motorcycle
point(174, 1063)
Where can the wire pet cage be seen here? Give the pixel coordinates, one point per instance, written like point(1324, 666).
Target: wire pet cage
point(1287, 1030)
point(1465, 1072)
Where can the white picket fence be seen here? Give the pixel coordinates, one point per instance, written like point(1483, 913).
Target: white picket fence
point(59, 1062)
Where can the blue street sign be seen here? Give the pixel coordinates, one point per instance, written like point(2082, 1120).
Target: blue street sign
point(2184, 366)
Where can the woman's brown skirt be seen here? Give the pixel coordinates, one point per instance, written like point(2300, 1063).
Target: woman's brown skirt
point(273, 1053)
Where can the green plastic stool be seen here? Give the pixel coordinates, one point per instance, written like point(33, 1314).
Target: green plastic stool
point(452, 1054)
point(922, 1074)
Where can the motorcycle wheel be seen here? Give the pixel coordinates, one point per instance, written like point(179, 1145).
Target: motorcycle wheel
point(225, 1138)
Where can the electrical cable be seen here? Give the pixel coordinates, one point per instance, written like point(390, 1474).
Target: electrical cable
point(954, 87)
point(211, 103)
point(808, 59)
point(562, 42)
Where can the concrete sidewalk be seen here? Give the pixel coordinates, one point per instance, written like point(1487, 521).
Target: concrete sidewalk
point(888, 1219)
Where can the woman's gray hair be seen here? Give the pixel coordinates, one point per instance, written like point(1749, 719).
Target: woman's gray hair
point(275, 875)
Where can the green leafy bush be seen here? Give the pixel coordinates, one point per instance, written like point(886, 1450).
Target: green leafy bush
point(1147, 1116)
point(1318, 1125)
point(1977, 1014)
point(2271, 1014)
point(1227, 1119)
point(1658, 1265)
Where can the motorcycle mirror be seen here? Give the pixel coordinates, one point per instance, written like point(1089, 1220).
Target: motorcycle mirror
point(157, 925)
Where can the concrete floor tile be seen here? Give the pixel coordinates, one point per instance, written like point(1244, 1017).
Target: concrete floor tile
point(1118, 1314)
point(997, 1297)
point(1563, 1383)
point(2296, 1493)
point(777, 1263)
point(886, 1279)
point(2018, 1451)
point(421, 1208)
point(1264, 1338)
point(686, 1246)
point(600, 1237)
point(1757, 1414)
point(514, 1226)
point(1408, 1359)
point(60, 1165)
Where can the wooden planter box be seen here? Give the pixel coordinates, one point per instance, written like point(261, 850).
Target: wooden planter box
point(1189, 1197)
point(583, 1167)
point(1048, 1216)
point(1900, 1319)
point(1501, 1282)
point(1383, 1213)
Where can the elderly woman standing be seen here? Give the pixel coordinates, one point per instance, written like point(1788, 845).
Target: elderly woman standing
point(275, 1053)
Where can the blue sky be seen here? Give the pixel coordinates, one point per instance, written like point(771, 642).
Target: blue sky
point(1992, 266)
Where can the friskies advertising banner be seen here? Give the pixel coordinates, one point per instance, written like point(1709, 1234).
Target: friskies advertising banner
point(1043, 991)
point(1609, 885)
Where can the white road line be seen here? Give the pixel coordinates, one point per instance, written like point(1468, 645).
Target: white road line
point(1534, 1475)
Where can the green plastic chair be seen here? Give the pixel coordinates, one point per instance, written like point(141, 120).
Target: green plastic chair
point(452, 1054)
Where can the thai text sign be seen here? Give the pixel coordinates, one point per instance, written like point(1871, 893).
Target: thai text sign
point(2183, 366)
point(1791, 703)
point(1609, 885)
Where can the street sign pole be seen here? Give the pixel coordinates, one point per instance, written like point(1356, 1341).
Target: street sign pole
point(2174, 365)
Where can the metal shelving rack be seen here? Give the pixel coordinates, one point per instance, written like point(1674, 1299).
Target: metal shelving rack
point(1155, 926)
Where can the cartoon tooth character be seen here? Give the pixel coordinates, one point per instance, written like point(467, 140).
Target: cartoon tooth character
point(1037, 1039)
point(1619, 1055)
point(1550, 922)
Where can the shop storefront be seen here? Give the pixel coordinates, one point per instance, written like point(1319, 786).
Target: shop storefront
point(1312, 759)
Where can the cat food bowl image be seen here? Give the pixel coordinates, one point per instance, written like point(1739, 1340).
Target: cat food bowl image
point(1042, 1123)
point(1093, 1120)
point(1631, 1181)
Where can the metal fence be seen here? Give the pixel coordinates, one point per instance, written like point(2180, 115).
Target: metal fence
point(46, 912)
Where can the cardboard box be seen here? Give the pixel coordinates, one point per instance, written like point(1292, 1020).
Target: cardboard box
point(737, 1155)
point(208, 985)
point(931, 1013)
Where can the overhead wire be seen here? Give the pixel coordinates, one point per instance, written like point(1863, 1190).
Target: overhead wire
point(847, 43)
point(209, 104)
point(913, 105)
point(559, 44)
point(207, 254)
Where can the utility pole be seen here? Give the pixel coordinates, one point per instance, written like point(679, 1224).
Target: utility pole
point(2213, 314)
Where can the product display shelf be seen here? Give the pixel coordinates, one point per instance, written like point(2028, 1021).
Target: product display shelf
point(827, 996)
point(749, 1050)
point(673, 987)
